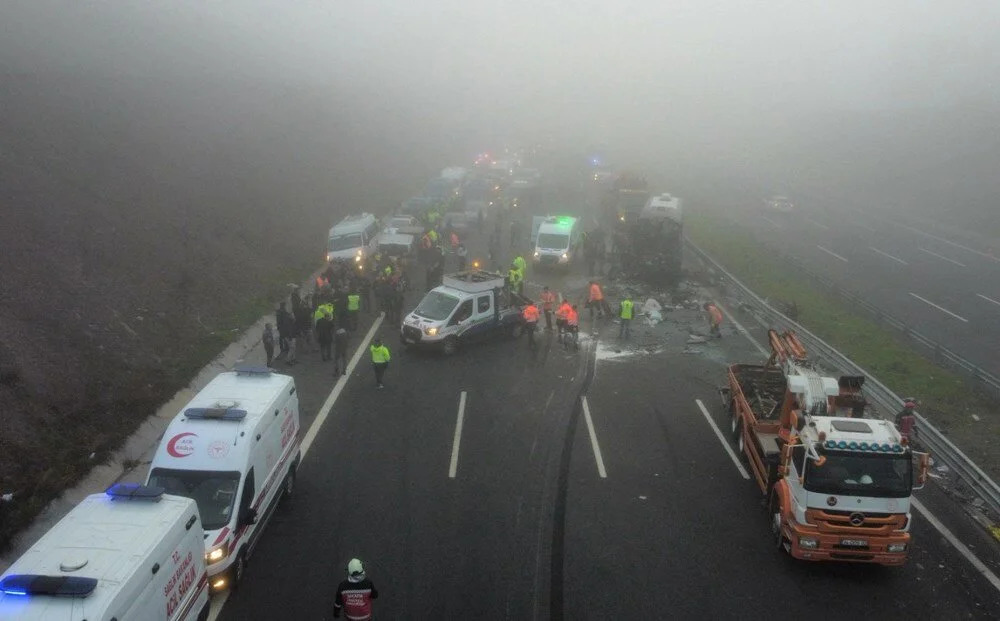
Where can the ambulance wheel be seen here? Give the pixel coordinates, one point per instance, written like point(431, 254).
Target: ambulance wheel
point(288, 489)
point(516, 330)
point(450, 345)
point(239, 568)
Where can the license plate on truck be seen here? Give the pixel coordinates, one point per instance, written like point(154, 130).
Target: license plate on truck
point(854, 543)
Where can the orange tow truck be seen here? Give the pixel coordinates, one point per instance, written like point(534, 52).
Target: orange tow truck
point(838, 484)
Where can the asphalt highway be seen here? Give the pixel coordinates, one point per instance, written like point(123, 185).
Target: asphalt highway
point(943, 284)
point(579, 485)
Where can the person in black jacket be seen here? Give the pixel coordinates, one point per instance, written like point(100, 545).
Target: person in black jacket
point(340, 352)
point(324, 335)
point(286, 327)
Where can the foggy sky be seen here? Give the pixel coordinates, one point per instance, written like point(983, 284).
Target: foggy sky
point(693, 72)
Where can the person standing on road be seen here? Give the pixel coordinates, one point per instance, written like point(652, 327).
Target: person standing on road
point(625, 311)
point(595, 298)
point(548, 301)
point(354, 595)
point(461, 253)
point(340, 352)
point(268, 340)
point(380, 360)
point(303, 327)
point(906, 418)
point(286, 326)
point(353, 308)
point(573, 327)
point(324, 335)
point(714, 319)
point(530, 314)
point(562, 315)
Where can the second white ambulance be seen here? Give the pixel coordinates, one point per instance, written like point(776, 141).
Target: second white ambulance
point(234, 449)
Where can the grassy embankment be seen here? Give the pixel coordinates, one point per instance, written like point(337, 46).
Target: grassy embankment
point(947, 399)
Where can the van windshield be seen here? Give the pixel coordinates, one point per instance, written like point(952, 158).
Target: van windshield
point(436, 306)
point(345, 242)
point(215, 492)
point(553, 241)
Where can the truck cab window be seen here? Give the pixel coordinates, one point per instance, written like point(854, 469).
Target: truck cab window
point(463, 312)
point(483, 304)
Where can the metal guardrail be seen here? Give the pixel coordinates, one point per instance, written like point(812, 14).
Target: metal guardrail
point(884, 399)
point(941, 354)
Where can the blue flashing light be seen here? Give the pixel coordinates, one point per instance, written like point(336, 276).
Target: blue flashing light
point(886, 448)
point(842, 444)
point(853, 446)
point(831, 444)
point(134, 491)
point(897, 448)
point(864, 446)
point(875, 447)
point(14, 592)
point(216, 413)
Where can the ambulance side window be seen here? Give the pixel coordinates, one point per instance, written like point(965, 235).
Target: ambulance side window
point(246, 499)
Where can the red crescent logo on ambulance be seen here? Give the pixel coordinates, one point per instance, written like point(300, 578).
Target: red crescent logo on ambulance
point(179, 446)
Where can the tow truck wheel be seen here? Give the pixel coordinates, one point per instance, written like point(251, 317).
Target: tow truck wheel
point(734, 419)
point(740, 442)
point(450, 346)
point(737, 429)
point(779, 539)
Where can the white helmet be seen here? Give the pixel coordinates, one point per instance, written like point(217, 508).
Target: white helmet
point(355, 570)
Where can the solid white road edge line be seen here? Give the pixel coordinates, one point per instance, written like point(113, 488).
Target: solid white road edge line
point(453, 467)
point(338, 388)
point(832, 253)
point(593, 440)
point(940, 308)
point(218, 601)
point(958, 545)
point(988, 299)
point(722, 439)
point(942, 257)
point(941, 528)
point(888, 256)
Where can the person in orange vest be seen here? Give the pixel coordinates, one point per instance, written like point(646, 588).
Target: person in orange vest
point(595, 298)
point(573, 327)
point(561, 315)
point(548, 301)
point(714, 319)
point(530, 314)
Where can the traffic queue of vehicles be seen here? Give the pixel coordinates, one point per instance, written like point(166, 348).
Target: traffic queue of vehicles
point(838, 485)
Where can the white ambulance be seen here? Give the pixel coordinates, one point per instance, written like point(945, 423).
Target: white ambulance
point(234, 449)
point(557, 242)
point(131, 553)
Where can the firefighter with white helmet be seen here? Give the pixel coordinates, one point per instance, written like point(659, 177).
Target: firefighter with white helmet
point(355, 594)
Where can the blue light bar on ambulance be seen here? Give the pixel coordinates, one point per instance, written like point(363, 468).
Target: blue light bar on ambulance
point(248, 369)
point(59, 586)
point(874, 447)
point(215, 413)
point(134, 491)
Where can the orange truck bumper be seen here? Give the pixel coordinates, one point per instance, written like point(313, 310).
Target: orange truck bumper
point(854, 546)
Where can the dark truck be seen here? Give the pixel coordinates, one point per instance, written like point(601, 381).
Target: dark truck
point(646, 231)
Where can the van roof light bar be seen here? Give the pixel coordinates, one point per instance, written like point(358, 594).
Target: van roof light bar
point(249, 369)
point(215, 414)
point(59, 586)
point(134, 491)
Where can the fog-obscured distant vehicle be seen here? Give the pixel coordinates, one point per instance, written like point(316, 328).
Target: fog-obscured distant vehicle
point(455, 173)
point(395, 244)
point(781, 204)
point(416, 206)
point(405, 224)
point(443, 190)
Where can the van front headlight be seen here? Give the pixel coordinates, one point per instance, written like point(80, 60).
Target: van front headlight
point(430, 331)
point(217, 554)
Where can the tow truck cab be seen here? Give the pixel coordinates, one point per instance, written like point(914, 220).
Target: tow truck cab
point(466, 307)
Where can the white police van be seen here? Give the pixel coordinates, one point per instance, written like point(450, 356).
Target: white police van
point(557, 242)
point(355, 238)
point(234, 449)
point(131, 553)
